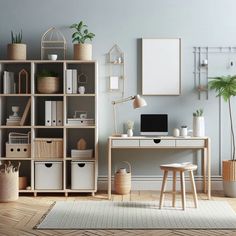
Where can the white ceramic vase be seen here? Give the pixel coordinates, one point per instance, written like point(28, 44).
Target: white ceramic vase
point(198, 126)
point(81, 89)
point(130, 132)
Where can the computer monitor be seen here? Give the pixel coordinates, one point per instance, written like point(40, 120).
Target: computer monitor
point(154, 124)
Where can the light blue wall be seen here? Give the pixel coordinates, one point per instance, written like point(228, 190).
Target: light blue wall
point(197, 23)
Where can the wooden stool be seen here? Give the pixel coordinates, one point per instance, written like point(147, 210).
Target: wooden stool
point(181, 168)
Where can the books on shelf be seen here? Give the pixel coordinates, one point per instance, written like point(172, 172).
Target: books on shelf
point(9, 85)
point(13, 120)
point(79, 121)
point(71, 81)
point(53, 113)
point(88, 153)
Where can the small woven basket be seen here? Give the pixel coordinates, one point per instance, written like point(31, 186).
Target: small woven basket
point(123, 181)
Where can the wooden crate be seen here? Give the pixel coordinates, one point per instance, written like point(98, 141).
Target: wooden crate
point(17, 150)
point(48, 147)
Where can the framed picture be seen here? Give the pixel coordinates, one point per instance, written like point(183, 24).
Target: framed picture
point(161, 66)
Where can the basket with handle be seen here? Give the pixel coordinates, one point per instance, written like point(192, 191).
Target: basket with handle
point(123, 180)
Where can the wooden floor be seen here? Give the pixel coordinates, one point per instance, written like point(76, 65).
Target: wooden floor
point(19, 218)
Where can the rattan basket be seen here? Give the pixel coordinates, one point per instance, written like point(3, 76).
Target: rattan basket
point(123, 180)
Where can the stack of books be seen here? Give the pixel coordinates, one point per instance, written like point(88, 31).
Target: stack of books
point(13, 120)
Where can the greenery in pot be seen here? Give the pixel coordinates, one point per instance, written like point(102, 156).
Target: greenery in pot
point(81, 33)
point(17, 38)
point(198, 113)
point(225, 86)
point(46, 73)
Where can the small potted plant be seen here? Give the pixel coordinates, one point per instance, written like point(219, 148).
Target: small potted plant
point(16, 50)
point(198, 124)
point(225, 86)
point(82, 50)
point(130, 126)
point(48, 82)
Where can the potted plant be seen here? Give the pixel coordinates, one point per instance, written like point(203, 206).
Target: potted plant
point(16, 50)
point(48, 82)
point(82, 50)
point(198, 124)
point(225, 86)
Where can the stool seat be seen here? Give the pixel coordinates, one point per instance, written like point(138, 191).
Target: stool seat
point(181, 168)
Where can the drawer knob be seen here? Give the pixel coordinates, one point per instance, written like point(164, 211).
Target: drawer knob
point(48, 165)
point(156, 140)
point(48, 141)
point(81, 165)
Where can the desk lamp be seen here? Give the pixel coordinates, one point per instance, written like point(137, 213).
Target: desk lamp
point(137, 103)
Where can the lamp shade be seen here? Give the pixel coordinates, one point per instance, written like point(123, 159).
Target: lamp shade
point(139, 102)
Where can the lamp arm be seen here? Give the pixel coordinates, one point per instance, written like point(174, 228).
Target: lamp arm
point(123, 100)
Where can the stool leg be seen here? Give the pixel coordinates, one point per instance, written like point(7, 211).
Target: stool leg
point(182, 182)
point(163, 188)
point(174, 189)
point(193, 188)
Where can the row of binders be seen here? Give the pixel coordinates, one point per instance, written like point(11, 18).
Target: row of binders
point(71, 81)
point(53, 113)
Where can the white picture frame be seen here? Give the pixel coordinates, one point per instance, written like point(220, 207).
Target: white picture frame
point(161, 66)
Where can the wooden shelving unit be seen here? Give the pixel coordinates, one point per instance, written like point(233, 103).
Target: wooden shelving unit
point(36, 122)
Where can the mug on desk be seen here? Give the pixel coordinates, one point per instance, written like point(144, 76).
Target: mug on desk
point(184, 131)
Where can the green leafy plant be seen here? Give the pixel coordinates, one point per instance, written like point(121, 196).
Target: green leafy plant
point(17, 38)
point(81, 33)
point(198, 112)
point(46, 73)
point(225, 86)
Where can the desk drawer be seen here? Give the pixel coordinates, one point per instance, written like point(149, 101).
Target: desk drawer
point(125, 143)
point(190, 143)
point(157, 143)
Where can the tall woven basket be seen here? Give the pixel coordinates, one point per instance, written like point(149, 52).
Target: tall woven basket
point(9, 186)
point(123, 180)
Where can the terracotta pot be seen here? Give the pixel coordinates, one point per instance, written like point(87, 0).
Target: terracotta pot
point(16, 51)
point(48, 84)
point(229, 178)
point(22, 182)
point(82, 51)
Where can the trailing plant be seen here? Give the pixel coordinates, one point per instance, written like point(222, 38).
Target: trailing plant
point(81, 33)
point(198, 113)
point(46, 73)
point(17, 38)
point(225, 86)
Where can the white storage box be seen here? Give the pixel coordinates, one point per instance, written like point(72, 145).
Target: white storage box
point(48, 175)
point(78, 121)
point(82, 175)
point(88, 153)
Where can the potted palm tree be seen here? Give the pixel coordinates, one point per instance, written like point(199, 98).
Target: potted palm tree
point(82, 50)
point(16, 50)
point(225, 86)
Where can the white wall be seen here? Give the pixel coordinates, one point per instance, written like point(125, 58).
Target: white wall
point(197, 23)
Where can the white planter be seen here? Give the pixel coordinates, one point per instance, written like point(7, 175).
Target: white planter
point(130, 132)
point(198, 126)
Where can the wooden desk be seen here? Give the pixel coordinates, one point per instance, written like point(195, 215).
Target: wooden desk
point(173, 143)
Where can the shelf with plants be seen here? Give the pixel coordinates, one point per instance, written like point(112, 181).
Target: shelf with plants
point(41, 133)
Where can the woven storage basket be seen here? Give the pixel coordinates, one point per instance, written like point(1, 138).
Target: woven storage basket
point(9, 185)
point(123, 180)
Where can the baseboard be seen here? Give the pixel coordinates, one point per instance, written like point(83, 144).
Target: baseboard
point(154, 183)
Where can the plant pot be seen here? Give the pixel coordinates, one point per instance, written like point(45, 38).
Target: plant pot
point(48, 84)
point(198, 126)
point(82, 51)
point(229, 178)
point(16, 51)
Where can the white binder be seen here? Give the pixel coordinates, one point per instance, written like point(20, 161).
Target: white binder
point(54, 113)
point(48, 114)
point(74, 81)
point(59, 113)
point(69, 81)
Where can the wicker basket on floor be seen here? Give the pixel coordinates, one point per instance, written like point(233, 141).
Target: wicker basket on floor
point(123, 180)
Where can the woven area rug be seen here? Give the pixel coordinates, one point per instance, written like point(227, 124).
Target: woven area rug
point(137, 215)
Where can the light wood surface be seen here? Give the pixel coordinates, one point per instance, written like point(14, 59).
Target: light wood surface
point(19, 218)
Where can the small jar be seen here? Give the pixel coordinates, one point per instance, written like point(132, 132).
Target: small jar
point(184, 131)
point(176, 132)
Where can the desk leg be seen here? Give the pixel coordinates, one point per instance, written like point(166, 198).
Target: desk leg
point(204, 157)
point(209, 168)
point(109, 170)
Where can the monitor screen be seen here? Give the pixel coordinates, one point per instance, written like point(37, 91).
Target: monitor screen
point(154, 124)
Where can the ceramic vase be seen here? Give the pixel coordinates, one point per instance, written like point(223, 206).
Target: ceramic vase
point(130, 132)
point(198, 126)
